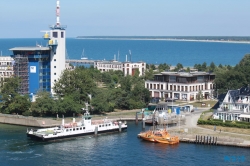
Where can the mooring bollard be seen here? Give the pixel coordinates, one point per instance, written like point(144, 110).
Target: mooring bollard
point(207, 139)
point(120, 126)
point(143, 123)
point(136, 118)
point(201, 139)
point(96, 130)
point(210, 138)
point(204, 140)
point(213, 140)
point(196, 139)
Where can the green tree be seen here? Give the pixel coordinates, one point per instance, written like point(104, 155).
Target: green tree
point(204, 66)
point(12, 102)
point(200, 96)
point(44, 105)
point(212, 67)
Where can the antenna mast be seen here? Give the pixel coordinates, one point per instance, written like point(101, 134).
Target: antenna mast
point(58, 13)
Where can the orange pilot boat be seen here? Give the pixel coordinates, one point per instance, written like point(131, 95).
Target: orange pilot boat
point(161, 136)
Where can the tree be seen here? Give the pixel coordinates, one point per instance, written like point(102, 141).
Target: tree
point(204, 66)
point(44, 105)
point(199, 95)
point(212, 66)
point(12, 102)
point(79, 82)
point(178, 67)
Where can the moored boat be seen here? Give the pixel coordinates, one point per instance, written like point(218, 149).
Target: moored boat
point(74, 129)
point(160, 136)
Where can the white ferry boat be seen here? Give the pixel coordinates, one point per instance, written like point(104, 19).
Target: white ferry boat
point(74, 129)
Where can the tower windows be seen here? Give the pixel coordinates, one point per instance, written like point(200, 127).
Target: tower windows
point(62, 35)
point(54, 66)
point(55, 35)
point(54, 73)
point(54, 60)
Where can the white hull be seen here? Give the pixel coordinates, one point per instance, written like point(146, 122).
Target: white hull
point(84, 127)
point(60, 133)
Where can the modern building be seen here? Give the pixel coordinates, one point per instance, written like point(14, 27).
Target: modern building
point(235, 106)
point(128, 68)
point(181, 85)
point(40, 67)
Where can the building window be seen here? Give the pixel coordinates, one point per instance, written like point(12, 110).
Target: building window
point(62, 35)
point(54, 60)
point(54, 80)
point(54, 66)
point(54, 73)
point(55, 34)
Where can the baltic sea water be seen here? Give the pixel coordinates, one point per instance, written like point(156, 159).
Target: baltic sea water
point(187, 53)
point(124, 148)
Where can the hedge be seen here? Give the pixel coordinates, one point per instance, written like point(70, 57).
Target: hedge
point(214, 122)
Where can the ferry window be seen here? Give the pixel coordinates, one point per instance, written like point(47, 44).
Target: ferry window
point(54, 60)
point(54, 80)
point(54, 66)
point(62, 35)
point(55, 34)
point(73, 129)
point(54, 73)
point(67, 130)
point(109, 124)
point(70, 130)
point(77, 128)
point(100, 126)
point(83, 128)
point(106, 125)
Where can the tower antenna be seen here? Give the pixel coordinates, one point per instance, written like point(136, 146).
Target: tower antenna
point(57, 13)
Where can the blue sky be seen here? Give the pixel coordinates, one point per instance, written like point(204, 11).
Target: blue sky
point(25, 18)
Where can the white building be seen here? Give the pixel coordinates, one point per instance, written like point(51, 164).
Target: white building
point(6, 67)
point(235, 106)
point(181, 85)
point(128, 68)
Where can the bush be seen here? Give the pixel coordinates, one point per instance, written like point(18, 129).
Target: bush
point(26, 113)
point(217, 122)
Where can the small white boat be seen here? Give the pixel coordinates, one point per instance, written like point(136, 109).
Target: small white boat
point(83, 57)
point(74, 129)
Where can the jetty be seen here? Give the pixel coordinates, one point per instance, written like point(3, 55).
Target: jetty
point(211, 140)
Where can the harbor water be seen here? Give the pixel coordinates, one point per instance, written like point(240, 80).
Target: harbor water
point(111, 149)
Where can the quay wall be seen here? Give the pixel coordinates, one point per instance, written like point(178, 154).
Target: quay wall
point(43, 122)
point(19, 121)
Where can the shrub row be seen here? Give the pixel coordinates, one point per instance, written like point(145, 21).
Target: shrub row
point(244, 125)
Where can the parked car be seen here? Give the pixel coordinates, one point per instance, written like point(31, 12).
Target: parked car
point(170, 100)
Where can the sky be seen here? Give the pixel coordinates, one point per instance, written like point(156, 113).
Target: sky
point(26, 18)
